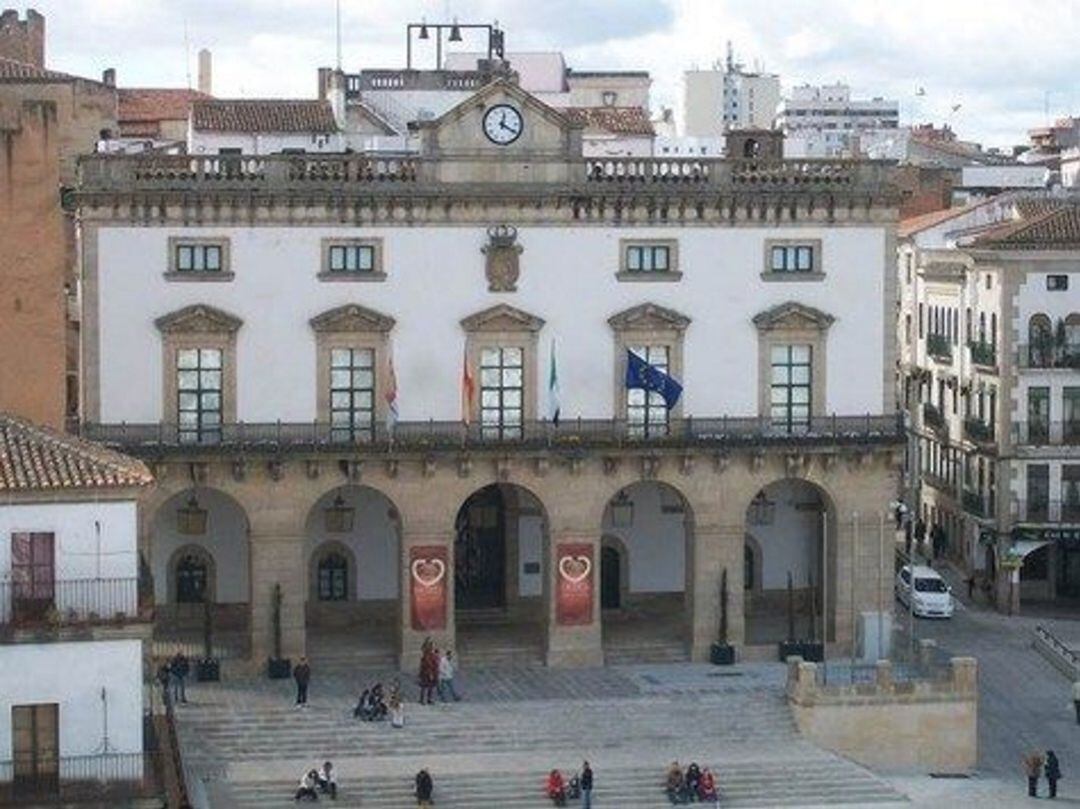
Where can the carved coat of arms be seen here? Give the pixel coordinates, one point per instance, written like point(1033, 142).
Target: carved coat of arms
point(502, 253)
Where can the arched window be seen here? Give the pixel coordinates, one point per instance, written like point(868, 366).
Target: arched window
point(1040, 341)
point(333, 577)
point(192, 579)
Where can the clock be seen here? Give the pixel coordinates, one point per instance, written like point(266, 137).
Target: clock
point(503, 124)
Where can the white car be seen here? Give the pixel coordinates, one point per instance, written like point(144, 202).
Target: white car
point(933, 596)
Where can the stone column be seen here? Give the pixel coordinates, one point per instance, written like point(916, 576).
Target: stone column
point(411, 639)
point(712, 550)
point(277, 557)
point(578, 645)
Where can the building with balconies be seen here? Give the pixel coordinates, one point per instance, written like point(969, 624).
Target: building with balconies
point(74, 616)
point(989, 336)
point(499, 393)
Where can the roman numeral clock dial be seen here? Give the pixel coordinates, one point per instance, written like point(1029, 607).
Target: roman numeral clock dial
point(503, 124)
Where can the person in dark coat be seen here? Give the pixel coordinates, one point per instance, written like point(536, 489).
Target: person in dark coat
point(302, 675)
point(428, 679)
point(425, 788)
point(163, 677)
point(907, 537)
point(586, 786)
point(1033, 764)
point(920, 534)
point(178, 672)
point(1053, 771)
point(693, 779)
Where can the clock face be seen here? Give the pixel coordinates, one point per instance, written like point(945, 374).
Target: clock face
point(503, 124)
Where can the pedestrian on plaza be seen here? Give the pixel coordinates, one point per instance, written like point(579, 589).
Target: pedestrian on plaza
point(396, 709)
point(555, 788)
point(586, 785)
point(447, 670)
point(920, 534)
point(1033, 764)
point(425, 788)
point(428, 677)
point(302, 675)
point(907, 538)
point(971, 586)
point(164, 676)
point(1076, 700)
point(178, 672)
point(327, 780)
point(1053, 772)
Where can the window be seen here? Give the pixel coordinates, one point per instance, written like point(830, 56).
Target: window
point(1038, 491)
point(921, 315)
point(609, 98)
point(1070, 492)
point(1057, 283)
point(35, 748)
point(198, 257)
point(199, 393)
point(790, 387)
point(1040, 341)
point(333, 578)
point(33, 574)
point(791, 258)
point(647, 258)
point(352, 394)
point(351, 258)
point(192, 579)
point(1070, 415)
point(654, 260)
point(502, 392)
point(646, 411)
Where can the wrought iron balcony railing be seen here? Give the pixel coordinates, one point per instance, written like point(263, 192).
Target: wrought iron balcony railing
point(1048, 355)
point(431, 436)
point(1046, 433)
point(984, 354)
point(105, 779)
point(32, 603)
point(939, 347)
point(978, 431)
point(1047, 511)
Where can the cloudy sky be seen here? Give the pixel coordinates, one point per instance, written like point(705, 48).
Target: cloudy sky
point(1005, 63)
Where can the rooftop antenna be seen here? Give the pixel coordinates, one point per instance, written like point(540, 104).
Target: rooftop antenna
point(338, 32)
point(187, 54)
point(730, 57)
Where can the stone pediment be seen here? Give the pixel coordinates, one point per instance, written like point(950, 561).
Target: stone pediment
point(502, 317)
point(793, 316)
point(649, 317)
point(352, 318)
point(460, 130)
point(198, 319)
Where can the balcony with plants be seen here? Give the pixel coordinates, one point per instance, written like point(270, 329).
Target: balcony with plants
point(983, 354)
point(978, 431)
point(939, 347)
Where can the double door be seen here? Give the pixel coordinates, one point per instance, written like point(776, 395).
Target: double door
point(35, 737)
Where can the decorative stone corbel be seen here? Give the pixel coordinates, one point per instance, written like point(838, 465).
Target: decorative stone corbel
point(794, 463)
point(650, 465)
point(611, 465)
point(503, 466)
point(720, 462)
point(543, 464)
point(757, 461)
point(275, 468)
point(828, 461)
point(197, 471)
point(392, 467)
point(351, 469)
point(575, 465)
point(428, 466)
point(464, 466)
point(239, 469)
point(312, 469)
point(686, 464)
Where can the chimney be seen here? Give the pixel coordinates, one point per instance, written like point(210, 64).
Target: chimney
point(206, 78)
point(108, 76)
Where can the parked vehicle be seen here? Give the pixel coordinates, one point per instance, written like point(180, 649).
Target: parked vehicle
point(933, 596)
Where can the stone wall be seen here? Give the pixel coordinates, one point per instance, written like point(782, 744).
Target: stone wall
point(23, 39)
point(917, 725)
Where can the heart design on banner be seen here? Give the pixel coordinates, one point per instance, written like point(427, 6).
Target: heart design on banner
point(575, 568)
point(428, 572)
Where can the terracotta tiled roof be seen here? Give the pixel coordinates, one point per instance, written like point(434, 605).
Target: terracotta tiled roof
point(12, 70)
point(264, 115)
point(617, 120)
point(915, 224)
point(34, 458)
point(1055, 229)
point(152, 104)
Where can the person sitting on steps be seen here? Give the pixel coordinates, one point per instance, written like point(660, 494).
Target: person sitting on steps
point(363, 706)
point(707, 791)
point(327, 781)
point(573, 788)
point(693, 778)
point(675, 786)
point(306, 791)
point(425, 788)
point(556, 788)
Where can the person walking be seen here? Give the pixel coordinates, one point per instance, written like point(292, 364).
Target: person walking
point(586, 785)
point(1033, 764)
point(425, 788)
point(302, 675)
point(178, 672)
point(1076, 700)
point(1053, 771)
point(447, 670)
point(428, 677)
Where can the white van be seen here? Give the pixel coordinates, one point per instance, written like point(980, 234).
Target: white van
point(933, 596)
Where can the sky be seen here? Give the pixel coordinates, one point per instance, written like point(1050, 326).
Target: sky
point(1008, 65)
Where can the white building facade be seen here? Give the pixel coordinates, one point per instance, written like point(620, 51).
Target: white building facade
point(72, 625)
point(825, 121)
point(727, 96)
point(448, 289)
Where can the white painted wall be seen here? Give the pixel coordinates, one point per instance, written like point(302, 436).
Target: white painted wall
point(435, 277)
point(263, 142)
point(91, 541)
point(72, 675)
point(225, 540)
point(792, 541)
point(655, 541)
point(530, 551)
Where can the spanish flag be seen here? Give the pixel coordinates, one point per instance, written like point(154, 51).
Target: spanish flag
point(468, 389)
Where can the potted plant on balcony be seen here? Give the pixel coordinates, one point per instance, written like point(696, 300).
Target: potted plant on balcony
point(277, 667)
point(722, 652)
point(207, 668)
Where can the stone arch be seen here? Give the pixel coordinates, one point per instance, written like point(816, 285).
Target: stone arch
point(180, 557)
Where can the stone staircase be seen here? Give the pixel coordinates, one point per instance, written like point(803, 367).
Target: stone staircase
point(655, 651)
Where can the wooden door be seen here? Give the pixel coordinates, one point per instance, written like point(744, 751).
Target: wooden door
point(35, 742)
point(33, 575)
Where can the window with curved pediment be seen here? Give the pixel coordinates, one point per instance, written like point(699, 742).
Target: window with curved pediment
point(792, 340)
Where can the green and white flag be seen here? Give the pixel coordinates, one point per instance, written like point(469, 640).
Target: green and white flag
point(553, 389)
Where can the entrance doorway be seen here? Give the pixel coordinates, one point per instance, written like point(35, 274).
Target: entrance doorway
point(610, 578)
point(480, 552)
point(35, 737)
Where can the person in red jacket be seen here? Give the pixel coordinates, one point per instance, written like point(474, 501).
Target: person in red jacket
point(556, 788)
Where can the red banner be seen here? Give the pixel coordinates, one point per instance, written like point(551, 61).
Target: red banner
point(574, 587)
point(427, 587)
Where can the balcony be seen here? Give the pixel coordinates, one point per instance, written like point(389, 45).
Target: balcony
point(1031, 356)
point(940, 483)
point(978, 431)
point(435, 436)
point(975, 503)
point(984, 354)
point(932, 417)
point(106, 779)
point(1046, 433)
point(939, 347)
point(67, 606)
point(1046, 511)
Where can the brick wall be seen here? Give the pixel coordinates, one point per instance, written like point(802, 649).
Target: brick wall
point(32, 263)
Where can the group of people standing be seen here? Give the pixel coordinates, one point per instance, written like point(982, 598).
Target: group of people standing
point(437, 672)
point(561, 790)
point(695, 784)
point(1036, 765)
point(172, 676)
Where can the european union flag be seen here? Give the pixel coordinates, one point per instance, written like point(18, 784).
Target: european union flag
point(639, 374)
